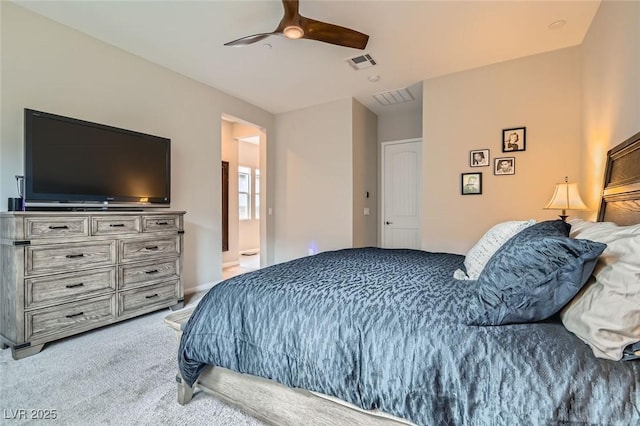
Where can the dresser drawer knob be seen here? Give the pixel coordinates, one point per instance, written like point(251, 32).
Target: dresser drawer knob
point(116, 225)
point(75, 315)
point(74, 256)
point(162, 223)
point(59, 227)
point(151, 248)
point(152, 296)
point(153, 271)
point(74, 285)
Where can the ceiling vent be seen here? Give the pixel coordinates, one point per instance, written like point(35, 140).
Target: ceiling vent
point(361, 62)
point(394, 97)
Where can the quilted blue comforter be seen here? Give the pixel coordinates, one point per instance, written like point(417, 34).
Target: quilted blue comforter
point(386, 329)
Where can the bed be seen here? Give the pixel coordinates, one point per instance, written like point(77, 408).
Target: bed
point(374, 336)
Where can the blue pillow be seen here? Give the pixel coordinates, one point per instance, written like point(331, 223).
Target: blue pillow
point(548, 228)
point(533, 275)
point(631, 352)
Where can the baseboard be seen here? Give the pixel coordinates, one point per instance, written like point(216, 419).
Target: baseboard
point(203, 287)
point(254, 251)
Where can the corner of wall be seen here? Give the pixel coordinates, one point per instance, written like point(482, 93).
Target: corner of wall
point(610, 90)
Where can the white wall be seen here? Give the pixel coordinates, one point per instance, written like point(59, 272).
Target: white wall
point(50, 67)
point(314, 180)
point(467, 111)
point(53, 68)
point(611, 90)
point(365, 176)
point(400, 125)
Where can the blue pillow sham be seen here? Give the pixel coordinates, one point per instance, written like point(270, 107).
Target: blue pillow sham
point(533, 275)
point(548, 228)
point(631, 352)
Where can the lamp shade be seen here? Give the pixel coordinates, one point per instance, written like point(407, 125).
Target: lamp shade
point(566, 197)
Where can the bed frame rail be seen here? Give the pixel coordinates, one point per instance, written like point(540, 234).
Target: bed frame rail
point(272, 402)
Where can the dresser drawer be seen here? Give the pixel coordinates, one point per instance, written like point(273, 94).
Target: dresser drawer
point(149, 249)
point(62, 288)
point(156, 223)
point(65, 257)
point(110, 225)
point(70, 318)
point(148, 298)
point(136, 274)
point(49, 227)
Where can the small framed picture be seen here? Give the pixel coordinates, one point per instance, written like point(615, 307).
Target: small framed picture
point(471, 183)
point(504, 166)
point(514, 139)
point(479, 158)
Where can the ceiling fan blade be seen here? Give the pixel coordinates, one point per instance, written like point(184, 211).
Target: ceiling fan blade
point(290, 17)
point(293, 25)
point(249, 39)
point(334, 34)
point(290, 9)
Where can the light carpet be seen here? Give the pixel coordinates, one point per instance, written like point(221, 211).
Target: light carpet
point(123, 374)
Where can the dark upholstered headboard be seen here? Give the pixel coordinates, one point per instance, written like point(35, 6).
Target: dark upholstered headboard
point(620, 201)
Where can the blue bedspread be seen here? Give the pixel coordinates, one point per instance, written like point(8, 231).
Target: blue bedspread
point(386, 329)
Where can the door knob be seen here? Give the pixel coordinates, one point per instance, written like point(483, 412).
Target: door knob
point(388, 223)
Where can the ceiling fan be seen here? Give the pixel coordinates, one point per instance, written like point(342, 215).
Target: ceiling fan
point(294, 26)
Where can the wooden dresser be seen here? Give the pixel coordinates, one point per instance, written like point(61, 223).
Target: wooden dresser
point(64, 273)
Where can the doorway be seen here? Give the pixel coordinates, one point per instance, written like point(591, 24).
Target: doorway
point(243, 221)
point(401, 194)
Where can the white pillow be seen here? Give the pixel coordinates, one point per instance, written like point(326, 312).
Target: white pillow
point(606, 313)
point(491, 241)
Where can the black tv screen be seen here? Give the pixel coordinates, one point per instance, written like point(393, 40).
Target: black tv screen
point(69, 160)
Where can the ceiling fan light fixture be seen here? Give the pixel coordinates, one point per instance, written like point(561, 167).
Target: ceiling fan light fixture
point(293, 32)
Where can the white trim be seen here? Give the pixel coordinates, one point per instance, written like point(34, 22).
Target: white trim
point(203, 287)
point(401, 141)
point(255, 250)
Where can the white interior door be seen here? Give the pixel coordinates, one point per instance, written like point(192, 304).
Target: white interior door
point(401, 181)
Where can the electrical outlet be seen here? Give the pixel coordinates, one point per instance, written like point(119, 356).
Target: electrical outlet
point(310, 252)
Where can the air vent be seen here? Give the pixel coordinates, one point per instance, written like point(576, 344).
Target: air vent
point(394, 97)
point(361, 62)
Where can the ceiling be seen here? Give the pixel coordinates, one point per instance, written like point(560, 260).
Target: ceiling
point(410, 40)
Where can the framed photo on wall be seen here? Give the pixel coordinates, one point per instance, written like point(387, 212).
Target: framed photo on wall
point(479, 158)
point(504, 166)
point(471, 183)
point(514, 139)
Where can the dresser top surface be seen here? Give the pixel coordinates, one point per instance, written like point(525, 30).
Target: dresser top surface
point(49, 213)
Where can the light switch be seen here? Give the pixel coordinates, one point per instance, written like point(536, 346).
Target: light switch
point(366, 211)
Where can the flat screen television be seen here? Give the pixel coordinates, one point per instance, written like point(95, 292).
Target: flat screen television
point(75, 162)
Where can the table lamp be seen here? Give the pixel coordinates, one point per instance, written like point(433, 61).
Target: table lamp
point(566, 197)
